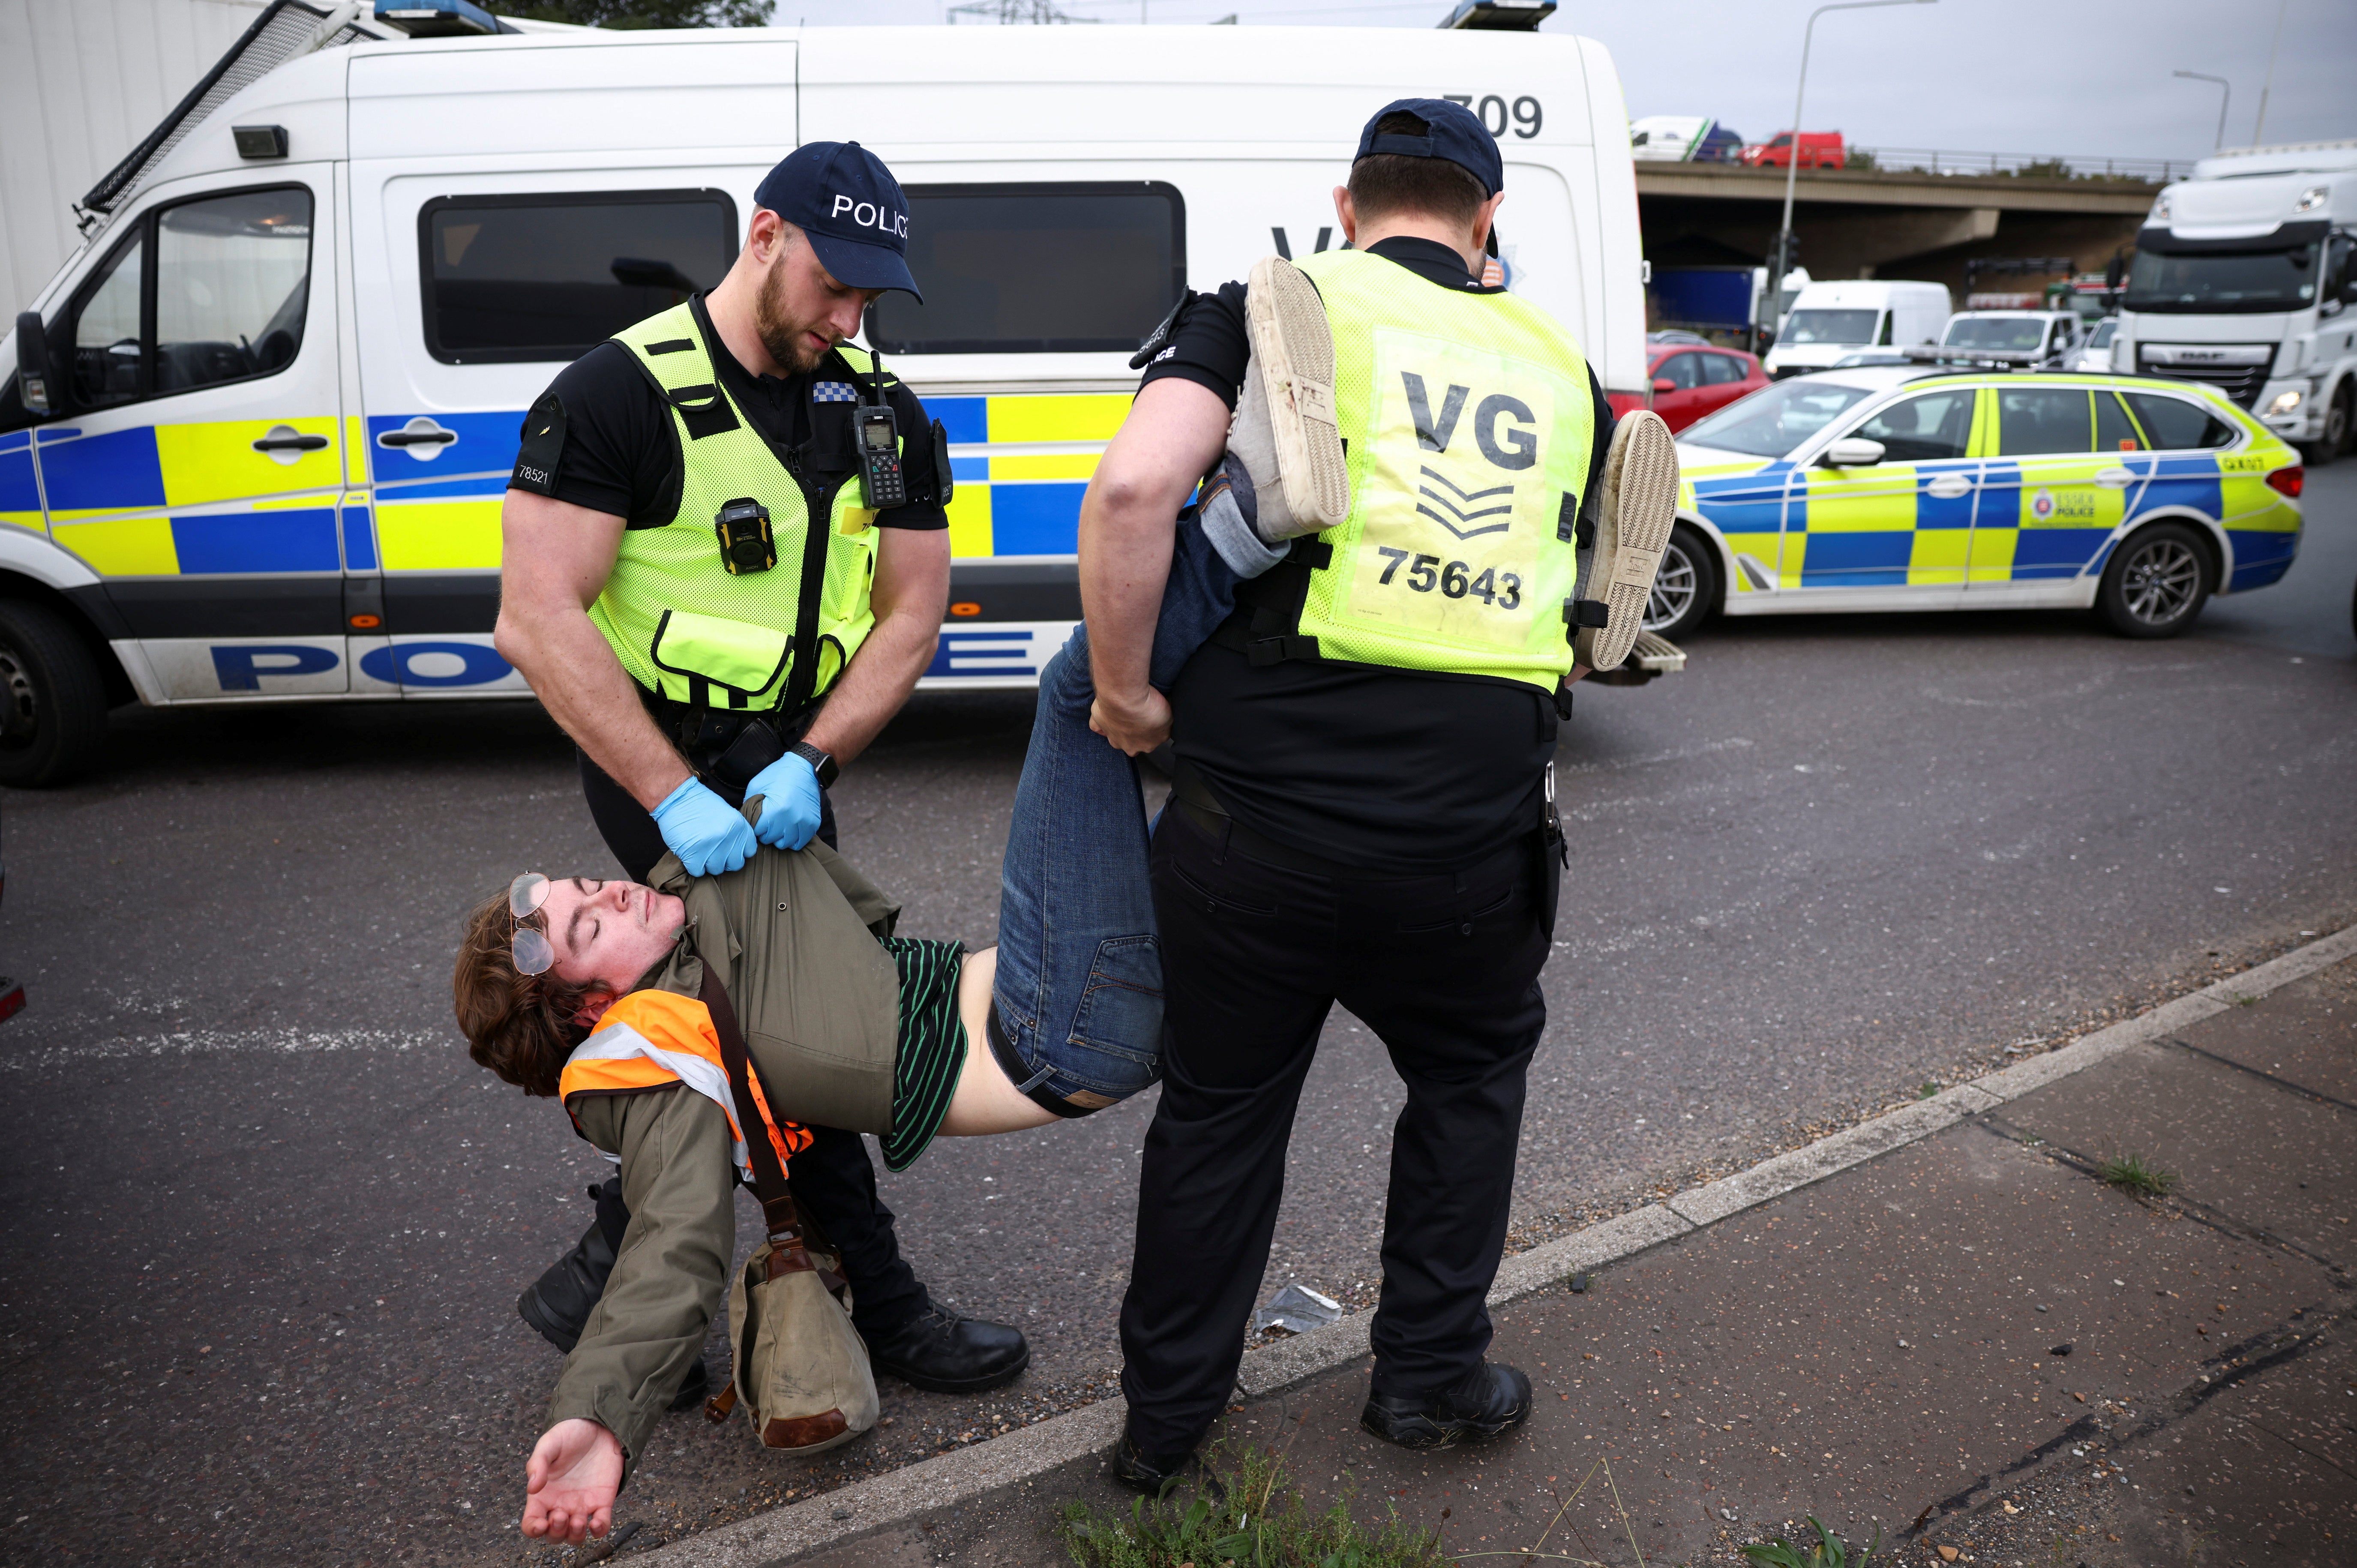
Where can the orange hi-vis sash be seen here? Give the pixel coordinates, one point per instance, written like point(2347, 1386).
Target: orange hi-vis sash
point(650, 1040)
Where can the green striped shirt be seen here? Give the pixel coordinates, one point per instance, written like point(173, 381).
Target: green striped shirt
point(932, 1046)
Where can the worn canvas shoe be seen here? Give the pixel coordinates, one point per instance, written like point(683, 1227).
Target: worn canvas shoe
point(1284, 428)
point(1632, 529)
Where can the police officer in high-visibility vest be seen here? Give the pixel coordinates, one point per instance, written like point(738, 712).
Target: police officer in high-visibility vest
point(726, 561)
point(1362, 806)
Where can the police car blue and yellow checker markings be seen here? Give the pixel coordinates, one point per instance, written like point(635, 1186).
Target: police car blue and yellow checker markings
point(147, 502)
point(1996, 519)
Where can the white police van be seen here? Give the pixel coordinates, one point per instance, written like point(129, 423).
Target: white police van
point(263, 419)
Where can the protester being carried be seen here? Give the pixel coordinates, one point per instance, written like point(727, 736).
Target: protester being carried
point(588, 989)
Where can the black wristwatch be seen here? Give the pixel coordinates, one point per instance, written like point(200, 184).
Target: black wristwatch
point(821, 763)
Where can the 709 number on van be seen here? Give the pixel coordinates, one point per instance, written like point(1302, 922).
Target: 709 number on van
point(1523, 114)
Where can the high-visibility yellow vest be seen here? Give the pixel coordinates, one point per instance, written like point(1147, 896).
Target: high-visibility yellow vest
point(682, 625)
point(1469, 421)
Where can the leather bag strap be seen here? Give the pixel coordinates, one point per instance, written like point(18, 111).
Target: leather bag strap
point(768, 1175)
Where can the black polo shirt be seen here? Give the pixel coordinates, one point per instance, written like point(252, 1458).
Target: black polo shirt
point(1391, 770)
point(621, 445)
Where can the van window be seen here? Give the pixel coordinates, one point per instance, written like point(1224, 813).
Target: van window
point(1035, 268)
point(230, 286)
point(108, 367)
point(2031, 421)
point(509, 279)
point(2178, 424)
point(1821, 326)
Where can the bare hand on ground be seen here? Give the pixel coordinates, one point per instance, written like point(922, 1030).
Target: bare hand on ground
point(570, 1482)
point(1136, 724)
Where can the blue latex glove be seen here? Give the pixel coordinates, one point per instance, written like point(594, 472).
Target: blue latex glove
point(706, 833)
point(790, 807)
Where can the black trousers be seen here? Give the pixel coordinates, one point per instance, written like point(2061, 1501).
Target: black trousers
point(1444, 970)
point(834, 1179)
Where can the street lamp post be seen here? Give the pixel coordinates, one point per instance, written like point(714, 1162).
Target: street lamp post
point(1793, 162)
point(2226, 97)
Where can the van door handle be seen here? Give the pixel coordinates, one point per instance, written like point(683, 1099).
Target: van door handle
point(419, 431)
point(2115, 479)
point(1948, 487)
point(284, 438)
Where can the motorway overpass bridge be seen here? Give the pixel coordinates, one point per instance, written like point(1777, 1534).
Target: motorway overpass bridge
point(1866, 224)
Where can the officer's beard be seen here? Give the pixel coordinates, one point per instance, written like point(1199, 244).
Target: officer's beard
point(784, 337)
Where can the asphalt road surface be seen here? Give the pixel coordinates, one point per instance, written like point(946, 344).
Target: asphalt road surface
point(267, 1222)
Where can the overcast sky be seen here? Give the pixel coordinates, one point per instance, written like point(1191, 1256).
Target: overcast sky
point(2069, 76)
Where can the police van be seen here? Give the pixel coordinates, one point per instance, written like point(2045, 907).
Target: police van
point(265, 418)
point(1926, 486)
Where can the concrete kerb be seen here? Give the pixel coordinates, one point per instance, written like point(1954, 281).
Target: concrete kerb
point(799, 1529)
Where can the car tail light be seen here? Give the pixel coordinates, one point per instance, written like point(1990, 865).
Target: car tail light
point(2289, 481)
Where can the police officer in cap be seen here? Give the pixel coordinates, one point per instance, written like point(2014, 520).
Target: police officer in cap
point(1360, 809)
point(719, 597)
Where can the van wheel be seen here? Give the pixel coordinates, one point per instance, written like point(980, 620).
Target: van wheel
point(2157, 581)
point(52, 698)
point(1685, 590)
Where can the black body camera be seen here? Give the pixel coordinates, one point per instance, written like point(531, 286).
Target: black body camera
point(746, 544)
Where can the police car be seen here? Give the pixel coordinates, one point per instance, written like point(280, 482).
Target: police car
point(281, 382)
point(1925, 487)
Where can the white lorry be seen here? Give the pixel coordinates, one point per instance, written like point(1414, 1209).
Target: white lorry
point(281, 383)
point(2243, 279)
point(1830, 321)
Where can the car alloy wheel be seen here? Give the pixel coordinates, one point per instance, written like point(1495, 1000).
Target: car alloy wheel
point(1675, 588)
point(2160, 581)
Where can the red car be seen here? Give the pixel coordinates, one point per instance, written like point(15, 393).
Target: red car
point(1819, 149)
point(1690, 379)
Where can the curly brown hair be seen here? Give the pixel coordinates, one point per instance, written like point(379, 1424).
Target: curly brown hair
point(522, 1026)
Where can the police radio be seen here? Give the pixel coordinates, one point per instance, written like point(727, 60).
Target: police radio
point(876, 435)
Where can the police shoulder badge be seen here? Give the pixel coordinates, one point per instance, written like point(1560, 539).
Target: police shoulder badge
point(542, 446)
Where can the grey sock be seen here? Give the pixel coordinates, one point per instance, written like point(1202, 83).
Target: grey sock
point(1226, 512)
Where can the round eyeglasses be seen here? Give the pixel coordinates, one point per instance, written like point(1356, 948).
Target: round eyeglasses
point(529, 945)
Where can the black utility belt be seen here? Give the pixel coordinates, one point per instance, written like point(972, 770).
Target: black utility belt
point(732, 744)
point(1193, 800)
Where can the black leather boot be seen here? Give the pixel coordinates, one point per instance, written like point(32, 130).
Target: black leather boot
point(1495, 1398)
point(557, 1305)
point(946, 1354)
point(1153, 1473)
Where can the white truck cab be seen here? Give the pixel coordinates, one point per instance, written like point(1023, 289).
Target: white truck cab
point(1830, 321)
point(2243, 279)
point(265, 418)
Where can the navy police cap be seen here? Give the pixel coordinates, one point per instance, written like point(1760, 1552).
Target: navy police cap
point(843, 196)
point(1452, 132)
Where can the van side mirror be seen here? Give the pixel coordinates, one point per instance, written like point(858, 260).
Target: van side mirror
point(33, 371)
point(1853, 452)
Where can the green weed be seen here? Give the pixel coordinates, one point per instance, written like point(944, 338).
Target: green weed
point(1260, 1521)
point(2133, 1173)
point(1828, 1551)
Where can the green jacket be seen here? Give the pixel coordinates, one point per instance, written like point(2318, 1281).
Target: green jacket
point(818, 998)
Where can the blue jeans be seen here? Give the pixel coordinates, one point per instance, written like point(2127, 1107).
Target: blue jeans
point(1079, 991)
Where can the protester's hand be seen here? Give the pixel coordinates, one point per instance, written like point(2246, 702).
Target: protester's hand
point(789, 804)
point(709, 835)
point(570, 1482)
point(1135, 724)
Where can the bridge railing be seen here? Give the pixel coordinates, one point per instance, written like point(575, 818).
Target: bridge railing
point(2024, 166)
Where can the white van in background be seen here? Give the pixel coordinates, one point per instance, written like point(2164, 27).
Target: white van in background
point(371, 258)
point(2243, 278)
point(1830, 321)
